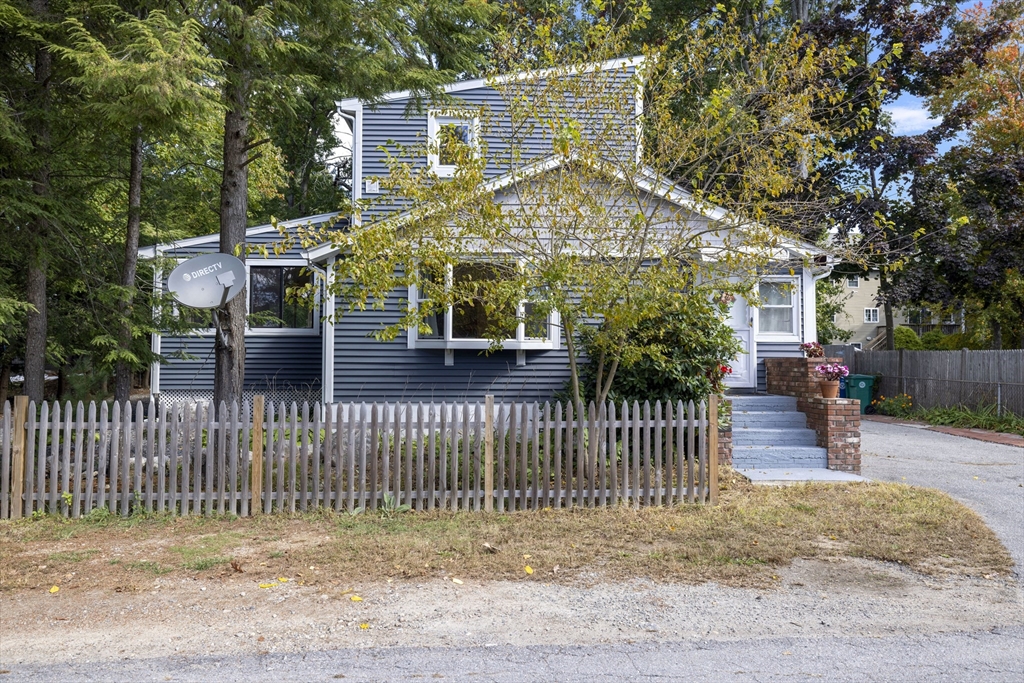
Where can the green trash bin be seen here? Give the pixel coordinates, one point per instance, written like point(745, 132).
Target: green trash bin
point(860, 387)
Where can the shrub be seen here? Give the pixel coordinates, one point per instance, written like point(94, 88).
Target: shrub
point(959, 340)
point(932, 340)
point(687, 351)
point(906, 338)
point(983, 417)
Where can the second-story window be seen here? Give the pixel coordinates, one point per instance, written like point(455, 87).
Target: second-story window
point(451, 139)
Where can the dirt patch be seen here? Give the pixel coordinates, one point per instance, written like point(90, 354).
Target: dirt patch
point(815, 559)
point(743, 542)
point(232, 614)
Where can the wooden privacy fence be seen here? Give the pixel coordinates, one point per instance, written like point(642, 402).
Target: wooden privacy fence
point(937, 379)
point(183, 458)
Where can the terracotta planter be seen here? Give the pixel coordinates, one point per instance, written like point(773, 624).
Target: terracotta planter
point(829, 388)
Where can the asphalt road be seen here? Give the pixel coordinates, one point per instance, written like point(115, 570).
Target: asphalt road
point(988, 657)
point(986, 477)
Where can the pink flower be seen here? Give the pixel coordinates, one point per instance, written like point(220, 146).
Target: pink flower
point(833, 371)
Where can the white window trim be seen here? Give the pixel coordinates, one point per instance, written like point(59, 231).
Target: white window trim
point(520, 343)
point(856, 281)
point(797, 299)
point(870, 322)
point(268, 331)
point(436, 119)
point(280, 331)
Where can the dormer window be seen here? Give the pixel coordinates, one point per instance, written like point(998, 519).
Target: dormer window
point(451, 138)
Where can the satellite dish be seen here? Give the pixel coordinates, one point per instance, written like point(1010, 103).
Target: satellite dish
point(207, 281)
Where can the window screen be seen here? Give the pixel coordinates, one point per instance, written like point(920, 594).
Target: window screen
point(453, 138)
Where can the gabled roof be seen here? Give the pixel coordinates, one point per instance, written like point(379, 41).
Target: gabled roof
point(648, 180)
point(354, 103)
point(157, 249)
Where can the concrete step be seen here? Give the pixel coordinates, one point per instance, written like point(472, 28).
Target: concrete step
point(763, 402)
point(785, 476)
point(761, 419)
point(763, 457)
point(774, 437)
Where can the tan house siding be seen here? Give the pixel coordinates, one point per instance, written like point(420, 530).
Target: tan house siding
point(858, 298)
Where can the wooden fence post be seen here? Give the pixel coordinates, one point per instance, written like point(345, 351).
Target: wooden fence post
point(18, 455)
point(256, 481)
point(488, 453)
point(713, 450)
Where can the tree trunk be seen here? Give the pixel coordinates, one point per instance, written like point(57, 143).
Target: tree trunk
point(890, 328)
point(883, 294)
point(123, 370)
point(230, 365)
point(574, 371)
point(997, 335)
point(35, 333)
point(798, 10)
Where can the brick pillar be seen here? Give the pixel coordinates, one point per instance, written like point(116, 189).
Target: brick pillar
point(836, 421)
point(725, 433)
point(725, 445)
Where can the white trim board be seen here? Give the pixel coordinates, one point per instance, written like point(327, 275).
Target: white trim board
point(154, 250)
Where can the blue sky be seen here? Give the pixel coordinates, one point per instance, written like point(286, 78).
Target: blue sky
point(910, 115)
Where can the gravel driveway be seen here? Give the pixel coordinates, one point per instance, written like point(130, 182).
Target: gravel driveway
point(845, 620)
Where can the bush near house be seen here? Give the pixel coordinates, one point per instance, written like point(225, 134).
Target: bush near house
point(932, 341)
point(682, 354)
point(906, 338)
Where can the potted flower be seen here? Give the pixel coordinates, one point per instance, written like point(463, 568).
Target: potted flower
point(813, 350)
point(831, 373)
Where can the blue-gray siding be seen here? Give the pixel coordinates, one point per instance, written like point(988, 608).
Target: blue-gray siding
point(271, 362)
point(392, 125)
point(368, 370)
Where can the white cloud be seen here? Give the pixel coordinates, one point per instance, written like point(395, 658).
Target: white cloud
point(910, 120)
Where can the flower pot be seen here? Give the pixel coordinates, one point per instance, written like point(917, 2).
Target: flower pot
point(829, 388)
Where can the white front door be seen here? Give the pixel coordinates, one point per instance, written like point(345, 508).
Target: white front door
point(744, 368)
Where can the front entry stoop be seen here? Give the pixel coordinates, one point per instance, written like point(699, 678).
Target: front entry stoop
point(772, 443)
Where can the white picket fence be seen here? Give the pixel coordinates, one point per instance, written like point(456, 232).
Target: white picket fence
point(185, 458)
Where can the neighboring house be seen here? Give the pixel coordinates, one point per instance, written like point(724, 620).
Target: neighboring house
point(314, 356)
point(865, 318)
point(862, 315)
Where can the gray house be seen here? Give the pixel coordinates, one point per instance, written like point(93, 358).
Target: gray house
point(313, 355)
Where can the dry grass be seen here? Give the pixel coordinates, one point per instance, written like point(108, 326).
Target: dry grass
point(741, 542)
